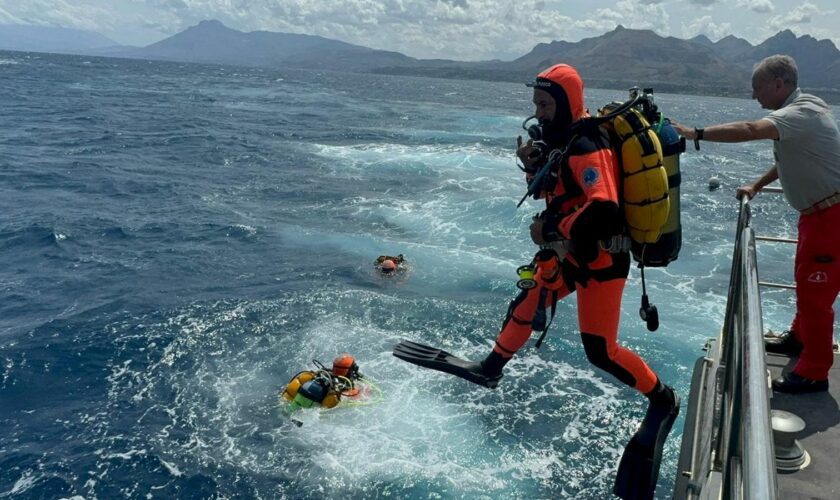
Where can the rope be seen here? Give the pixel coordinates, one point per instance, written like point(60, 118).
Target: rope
point(376, 396)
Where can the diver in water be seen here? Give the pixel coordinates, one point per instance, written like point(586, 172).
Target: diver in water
point(324, 386)
point(389, 265)
point(582, 212)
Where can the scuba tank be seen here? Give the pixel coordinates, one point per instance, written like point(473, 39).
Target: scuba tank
point(317, 391)
point(323, 387)
point(295, 384)
point(668, 247)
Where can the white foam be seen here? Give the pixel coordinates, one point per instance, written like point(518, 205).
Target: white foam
point(24, 482)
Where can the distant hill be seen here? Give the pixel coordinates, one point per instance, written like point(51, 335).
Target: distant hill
point(27, 38)
point(732, 48)
point(212, 41)
point(624, 57)
point(818, 60)
point(619, 59)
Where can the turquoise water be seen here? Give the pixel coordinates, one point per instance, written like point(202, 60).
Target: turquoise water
point(179, 240)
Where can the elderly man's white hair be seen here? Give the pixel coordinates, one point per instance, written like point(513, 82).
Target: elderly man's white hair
point(777, 66)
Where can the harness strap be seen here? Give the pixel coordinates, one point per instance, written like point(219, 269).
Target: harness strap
point(553, 310)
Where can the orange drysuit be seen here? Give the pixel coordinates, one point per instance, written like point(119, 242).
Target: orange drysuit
point(581, 196)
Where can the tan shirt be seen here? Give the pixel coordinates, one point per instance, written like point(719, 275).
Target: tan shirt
point(808, 150)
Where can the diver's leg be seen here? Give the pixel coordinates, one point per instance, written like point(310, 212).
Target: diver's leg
point(599, 311)
point(516, 329)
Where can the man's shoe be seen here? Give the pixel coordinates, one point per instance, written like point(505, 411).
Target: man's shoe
point(784, 343)
point(797, 384)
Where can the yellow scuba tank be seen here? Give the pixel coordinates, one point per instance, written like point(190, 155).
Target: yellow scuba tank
point(642, 138)
point(667, 248)
point(649, 159)
point(331, 400)
point(644, 180)
point(293, 386)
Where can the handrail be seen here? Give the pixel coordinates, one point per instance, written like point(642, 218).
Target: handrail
point(731, 455)
point(775, 239)
point(770, 284)
point(759, 457)
point(744, 451)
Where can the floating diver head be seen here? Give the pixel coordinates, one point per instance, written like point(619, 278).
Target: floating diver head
point(387, 266)
point(345, 366)
point(558, 102)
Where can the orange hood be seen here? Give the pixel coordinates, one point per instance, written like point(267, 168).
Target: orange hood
point(566, 87)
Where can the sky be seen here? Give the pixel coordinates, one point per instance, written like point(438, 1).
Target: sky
point(450, 29)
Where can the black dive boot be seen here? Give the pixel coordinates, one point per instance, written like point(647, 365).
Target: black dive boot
point(492, 366)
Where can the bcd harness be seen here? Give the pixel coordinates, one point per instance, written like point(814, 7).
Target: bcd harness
point(648, 160)
point(321, 386)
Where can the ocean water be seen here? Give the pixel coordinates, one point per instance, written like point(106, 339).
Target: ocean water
point(177, 241)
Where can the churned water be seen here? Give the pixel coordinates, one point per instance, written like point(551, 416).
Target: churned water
point(178, 240)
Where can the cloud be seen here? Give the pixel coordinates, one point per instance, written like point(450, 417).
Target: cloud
point(650, 16)
point(457, 29)
point(759, 6)
point(703, 3)
point(56, 13)
point(7, 18)
point(706, 26)
point(803, 14)
point(453, 29)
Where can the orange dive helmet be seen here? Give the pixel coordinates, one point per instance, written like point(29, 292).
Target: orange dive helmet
point(345, 366)
point(388, 266)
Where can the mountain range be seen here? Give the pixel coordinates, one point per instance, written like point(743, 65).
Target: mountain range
point(618, 59)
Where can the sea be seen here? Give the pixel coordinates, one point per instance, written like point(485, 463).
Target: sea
point(177, 241)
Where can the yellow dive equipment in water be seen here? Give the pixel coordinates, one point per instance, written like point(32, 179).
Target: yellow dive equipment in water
point(309, 388)
point(294, 385)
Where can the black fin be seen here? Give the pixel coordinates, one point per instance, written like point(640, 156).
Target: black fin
point(436, 359)
point(638, 470)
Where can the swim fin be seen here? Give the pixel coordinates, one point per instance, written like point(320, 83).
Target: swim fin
point(442, 361)
point(638, 470)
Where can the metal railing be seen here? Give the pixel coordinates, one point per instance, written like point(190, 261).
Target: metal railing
point(743, 450)
point(731, 452)
point(774, 239)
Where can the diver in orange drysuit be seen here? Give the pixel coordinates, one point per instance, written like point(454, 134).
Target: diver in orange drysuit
point(580, 238)
point(583, 215)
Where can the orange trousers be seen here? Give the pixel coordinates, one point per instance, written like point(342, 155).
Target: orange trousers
point(599, 311)
point(817, 274)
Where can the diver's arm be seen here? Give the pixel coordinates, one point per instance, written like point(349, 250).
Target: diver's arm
point(595, 220)
point(599, 217)
point(731, 132)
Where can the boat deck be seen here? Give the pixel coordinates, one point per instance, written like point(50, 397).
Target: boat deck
point(821, 437)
